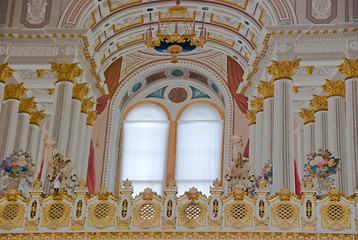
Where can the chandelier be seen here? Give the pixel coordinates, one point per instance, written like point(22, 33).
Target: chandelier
point(175, 33)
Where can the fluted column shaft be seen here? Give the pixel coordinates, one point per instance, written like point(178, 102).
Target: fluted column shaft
point(258, 142)
point(321, 129)
point(22, 131)
point(251, 116)
point(32, 140)
point(73, 130)
point(268, 130)
point(309, 136)
point(2, 89)
point(81, 141)
point(5, 73)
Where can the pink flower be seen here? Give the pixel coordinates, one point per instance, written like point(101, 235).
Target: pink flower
point(9, 164)
point(310, 153)
point(28, 165)
point(325, 154)
point(265, 172)
point(320, 149)
point(322, 163)
point(28, 159)
point(307, 169)
point(16, 163)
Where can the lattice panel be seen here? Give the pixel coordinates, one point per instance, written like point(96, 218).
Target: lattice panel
point(56, 211)
point(101, 210)
point(285, 212)
point(335, 212)
point(192, 211)
point(10, 211)
point(238, 211)
point(147, 211)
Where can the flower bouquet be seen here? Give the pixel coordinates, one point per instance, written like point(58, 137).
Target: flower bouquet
point(266, 174)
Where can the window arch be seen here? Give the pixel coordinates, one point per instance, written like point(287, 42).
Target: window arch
point(199, 147)
point(144, 146)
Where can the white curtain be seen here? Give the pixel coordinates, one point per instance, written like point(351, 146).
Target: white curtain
point(199, 148)
point(144, 148)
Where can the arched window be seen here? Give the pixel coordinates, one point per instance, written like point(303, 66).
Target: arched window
point(199, 147)
point(144, 147)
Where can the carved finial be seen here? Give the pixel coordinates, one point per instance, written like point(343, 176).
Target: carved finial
point(309, 69)
point(171, 183)
point(295, 89)
point(86, 105)
point(80, 90)
point(5, 72)
point(147, 194)
point(262, 184)
point(258, 104)
point(285, 194)
point(238, 194)
point(91, 117)
point(193, 194)
point(334, 88)
point(27, 105)
point(307, 115)
point(319, 103)
point(14, 91)
point(266, 89)
point(37, 183)
point(40, 72)
point(12, 194)
point(103, 194)
point(127, 184)
point(283, 69)
point(66, 72)
point(217, 183)
point(349, 68)
point(37, 117)
point(334, 195)
point(251, 116)
point(308, 183)
point(82, 183)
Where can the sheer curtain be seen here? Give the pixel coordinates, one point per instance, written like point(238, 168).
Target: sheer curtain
point(199, 148)
point(144, 147)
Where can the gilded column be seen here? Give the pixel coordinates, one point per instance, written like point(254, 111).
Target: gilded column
point(308, 132)
point(320, 105)
point(8, 118)
point(23, 123)
point(86, 105)
point(5, 73)
point(251, 116)
point(92, 116)
point(33, 136)
point(66, 75)
point(258, 105)
point(283, 144)
point(266, 89)
point(79, 92)
point(349, 68)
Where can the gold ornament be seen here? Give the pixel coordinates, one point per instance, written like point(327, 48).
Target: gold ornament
point(251, 116)
point(334, 88)
point(309, 69)
point(349, 68)
point(319, 103)
point(14, 91)
point(258, 104)
point(40, 72)
point(51, 91)
point(283, 69)
point(266, 89)
point(295, 88)
point(91, 117)
point(307, 115)
point(5, 72)
point(66, 72)
point(37, 117)
point(27, 105)
point(86, 105)
point(80, 90)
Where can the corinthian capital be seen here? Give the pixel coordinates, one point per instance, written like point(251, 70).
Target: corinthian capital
point(266, 89)
point(334, 88)
point(80, 90)
point(5, 72)
point(66, 71)
point(258, 104)
point(319, 103)
point(283, 69)
point(91, 117)
point(349, 68)
point(27, 105)
point(37, 117)
point(251, 116)
point(307, 115)
point(87, 104)
point(14, 91)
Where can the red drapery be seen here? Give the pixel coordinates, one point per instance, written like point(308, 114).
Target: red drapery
point(297, 182)
point(91, 173)
point(234, 75)
point(246, 151)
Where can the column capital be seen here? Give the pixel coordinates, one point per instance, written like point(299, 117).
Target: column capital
point(307, 115)
point(87, 104)
point(66, 71)
point(319, 103)
point(251, 116)
point(37, 117)
point(349, 68)
point(5, 72)
point(14, 91)
point(266, 89)
point(282, 69)
point(334, 88)
point(91, 117)
point(80, 90)
point(258, 104)
point(27, 105)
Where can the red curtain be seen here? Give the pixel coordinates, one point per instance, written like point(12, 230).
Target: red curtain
point(91, 173)
point(297, 182)
point(234, 75)
point(246, 151)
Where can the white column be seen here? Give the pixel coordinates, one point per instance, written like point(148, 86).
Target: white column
point(251, 116)
point(259, 163)
point(22, 130)
point(300, 161)
point(283, 150)
point(34, 140)
point(321, 129)
point(81, 141)
point(2, 89)
point(73, 131)
point(268, 130)
point(5, 73)
point(309, 136)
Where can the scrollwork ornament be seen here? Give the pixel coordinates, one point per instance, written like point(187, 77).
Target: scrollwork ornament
point(80, 90)
point(319, 103)
point(37, 117)
point(283, 69)
point(27, 105)
point(266, 89)
point(66, 72)
point(14, 91)
point(5, 72)
point(334, 88)
point(349, 68)
point(86, 105)
point(258, 104)
point(91, 118)
point(251, 116)
point(307, 115)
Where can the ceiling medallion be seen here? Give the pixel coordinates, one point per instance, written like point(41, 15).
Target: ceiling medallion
point(176, 33)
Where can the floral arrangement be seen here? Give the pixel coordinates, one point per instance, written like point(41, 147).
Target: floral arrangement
point(321, 164)
point(266, 174)
point(18, 165)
